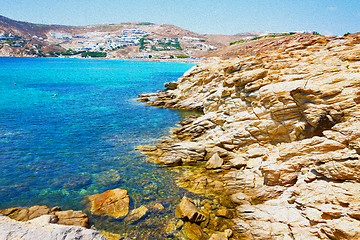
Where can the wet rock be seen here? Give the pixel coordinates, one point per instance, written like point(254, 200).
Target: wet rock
point(221, 235)
point(179, 224)
point(214, 162)
point(220, 224)
point(192, 231)
point(136, 214)
point(144, 99)
point(187, 210)
point(155, 207)
point(171, 85)
point(114, 203)
point(207, 204)
point(224, 212)
point(170, 229)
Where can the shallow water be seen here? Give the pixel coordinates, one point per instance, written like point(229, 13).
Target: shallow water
point(55, 151)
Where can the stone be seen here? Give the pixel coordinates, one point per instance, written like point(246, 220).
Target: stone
point(179, 224)
point(136, 214)
point(224, 212)
point(24, 214)
point(170, 229)
point(41, 228)
point(74, 218)
point(55, 209)
point(114, 203)
point(44, 220)
point(218, 236)
point(155, 207)
point(70, 217)
point(187, 210)
point(171, 85)
point(237, 162)
point(214, 162)
point(192, 231)
point(171, 160)
point(221, 235)
point(37, 211)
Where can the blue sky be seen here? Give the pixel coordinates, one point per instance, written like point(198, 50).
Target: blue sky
point(202, 16)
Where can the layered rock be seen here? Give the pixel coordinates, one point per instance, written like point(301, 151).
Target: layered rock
point(279, 134)
point(69, 217)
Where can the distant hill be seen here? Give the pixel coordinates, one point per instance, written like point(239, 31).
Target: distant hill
point(24, 29)
point(124, 40)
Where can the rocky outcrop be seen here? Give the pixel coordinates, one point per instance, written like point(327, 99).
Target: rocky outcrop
point(42, 228)
point(114, 203)
point(279, 137)
point(69, 217)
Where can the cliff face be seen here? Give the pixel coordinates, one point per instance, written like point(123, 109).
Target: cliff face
point(285, 125)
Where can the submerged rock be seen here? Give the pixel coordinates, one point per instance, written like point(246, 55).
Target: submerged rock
point(221, 235)
point(136, 214)
point(192, 231)
point(114, 203)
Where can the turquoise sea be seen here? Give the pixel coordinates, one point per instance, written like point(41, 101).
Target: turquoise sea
point(56, 150)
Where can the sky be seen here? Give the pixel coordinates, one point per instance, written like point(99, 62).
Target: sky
point(328, 17)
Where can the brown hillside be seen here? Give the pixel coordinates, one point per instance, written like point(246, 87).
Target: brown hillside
point(24, 29)
point(254, 47)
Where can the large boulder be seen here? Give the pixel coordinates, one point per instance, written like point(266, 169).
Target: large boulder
point(187, 210)
point(114, 203)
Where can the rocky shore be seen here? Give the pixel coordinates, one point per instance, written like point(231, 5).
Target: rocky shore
point(40, 222)
point(278, 144)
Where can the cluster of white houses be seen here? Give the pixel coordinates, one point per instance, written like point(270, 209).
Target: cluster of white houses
point(100, 41)
point(105, 41)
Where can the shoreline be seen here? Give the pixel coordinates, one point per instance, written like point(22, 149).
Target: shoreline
point(193, 61)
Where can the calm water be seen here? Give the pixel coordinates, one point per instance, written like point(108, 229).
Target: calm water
point(54, 151)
